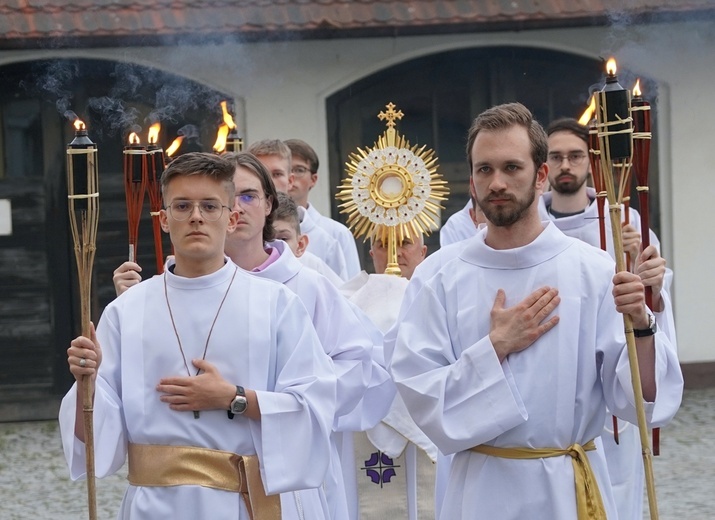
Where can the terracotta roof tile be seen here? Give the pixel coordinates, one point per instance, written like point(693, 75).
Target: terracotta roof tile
point(127, 22)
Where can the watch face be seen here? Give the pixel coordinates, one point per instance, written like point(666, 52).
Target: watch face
point(238, 405)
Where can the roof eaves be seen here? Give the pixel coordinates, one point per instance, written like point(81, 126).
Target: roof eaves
point(326, 28)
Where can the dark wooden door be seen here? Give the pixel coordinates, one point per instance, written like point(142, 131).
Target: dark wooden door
point(38, 275)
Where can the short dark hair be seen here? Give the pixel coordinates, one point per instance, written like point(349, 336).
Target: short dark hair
point(568, 124)
point(249, 162)
point(505, 116)
point(303, 150)
point(288, 211)
point(203, 164)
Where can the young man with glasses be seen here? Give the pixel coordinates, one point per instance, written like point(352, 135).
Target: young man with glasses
point(170, 339)
point(570, 201)
point(304, 166)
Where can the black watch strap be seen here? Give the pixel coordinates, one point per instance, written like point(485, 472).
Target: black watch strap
point(239, 391)
point(650, 331)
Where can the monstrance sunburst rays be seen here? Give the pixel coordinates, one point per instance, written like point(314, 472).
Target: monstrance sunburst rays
point(392, 190)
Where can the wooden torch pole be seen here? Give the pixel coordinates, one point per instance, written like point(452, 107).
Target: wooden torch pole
point(83, 202)
point(607, 128)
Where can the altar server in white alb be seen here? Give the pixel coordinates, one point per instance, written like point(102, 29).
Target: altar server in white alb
point(508, 356)
point(203, 318)
point(276, 157)
point(391, 465)
point(458, 227)
point(304, 167)
point(346, 336)
point(287, 229)
point(573, 207)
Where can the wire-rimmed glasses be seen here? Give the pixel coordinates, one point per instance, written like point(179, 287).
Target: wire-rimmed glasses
point(211, 210)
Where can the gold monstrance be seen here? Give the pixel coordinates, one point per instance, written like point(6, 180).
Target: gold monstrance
point(392, 188)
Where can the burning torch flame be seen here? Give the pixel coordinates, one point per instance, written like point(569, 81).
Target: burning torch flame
point(588, 113)
point(133, 138)
point(78, 125)
point(221, 137)
point(227, 118)
point(611, 67)
point(637, 88)
point(153, 136)
point(174, 146)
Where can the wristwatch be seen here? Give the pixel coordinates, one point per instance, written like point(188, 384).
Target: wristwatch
point(652, 328)
point(239, 403)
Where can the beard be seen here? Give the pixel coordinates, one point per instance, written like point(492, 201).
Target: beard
point(506, 215)
point(570, 187)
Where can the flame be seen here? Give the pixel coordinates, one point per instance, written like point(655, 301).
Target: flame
point(153, 136)
point(134, 138)
point(221, 136)
point(79, 125)
point(588, 113)
point(227, 118)
point(637, 88)
point(611, 66)
point(174, 146)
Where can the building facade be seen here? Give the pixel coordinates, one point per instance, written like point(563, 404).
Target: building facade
point(324, 83)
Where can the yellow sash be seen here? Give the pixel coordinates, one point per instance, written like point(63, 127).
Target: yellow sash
point(588, 498)
point(153, 465)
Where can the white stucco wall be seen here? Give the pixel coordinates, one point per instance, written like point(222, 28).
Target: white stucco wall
point(284, 87)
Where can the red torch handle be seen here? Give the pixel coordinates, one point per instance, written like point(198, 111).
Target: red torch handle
point(158, 249)
point(641, 157)
point(156, 168)
point(135, 175)
point(597, 175)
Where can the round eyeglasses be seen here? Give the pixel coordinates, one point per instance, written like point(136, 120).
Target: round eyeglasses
point(574, 159)
point(300, 171)
point(246, 200)
point(210, 210)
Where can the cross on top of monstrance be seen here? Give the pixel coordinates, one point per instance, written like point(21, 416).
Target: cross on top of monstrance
point(390, 115)
point(392, 190)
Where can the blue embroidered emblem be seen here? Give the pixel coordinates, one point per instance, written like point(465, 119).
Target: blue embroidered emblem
point(380, 468)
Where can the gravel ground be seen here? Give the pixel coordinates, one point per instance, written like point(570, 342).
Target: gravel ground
point(34, 482)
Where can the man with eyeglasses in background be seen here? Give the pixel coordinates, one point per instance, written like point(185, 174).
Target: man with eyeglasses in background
point(304, 167)
point(570, 205)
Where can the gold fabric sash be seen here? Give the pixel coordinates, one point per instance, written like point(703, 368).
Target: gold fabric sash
point(154, 465)
point(588, 497)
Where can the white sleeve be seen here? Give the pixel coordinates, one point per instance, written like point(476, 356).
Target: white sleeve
point(292, 438)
